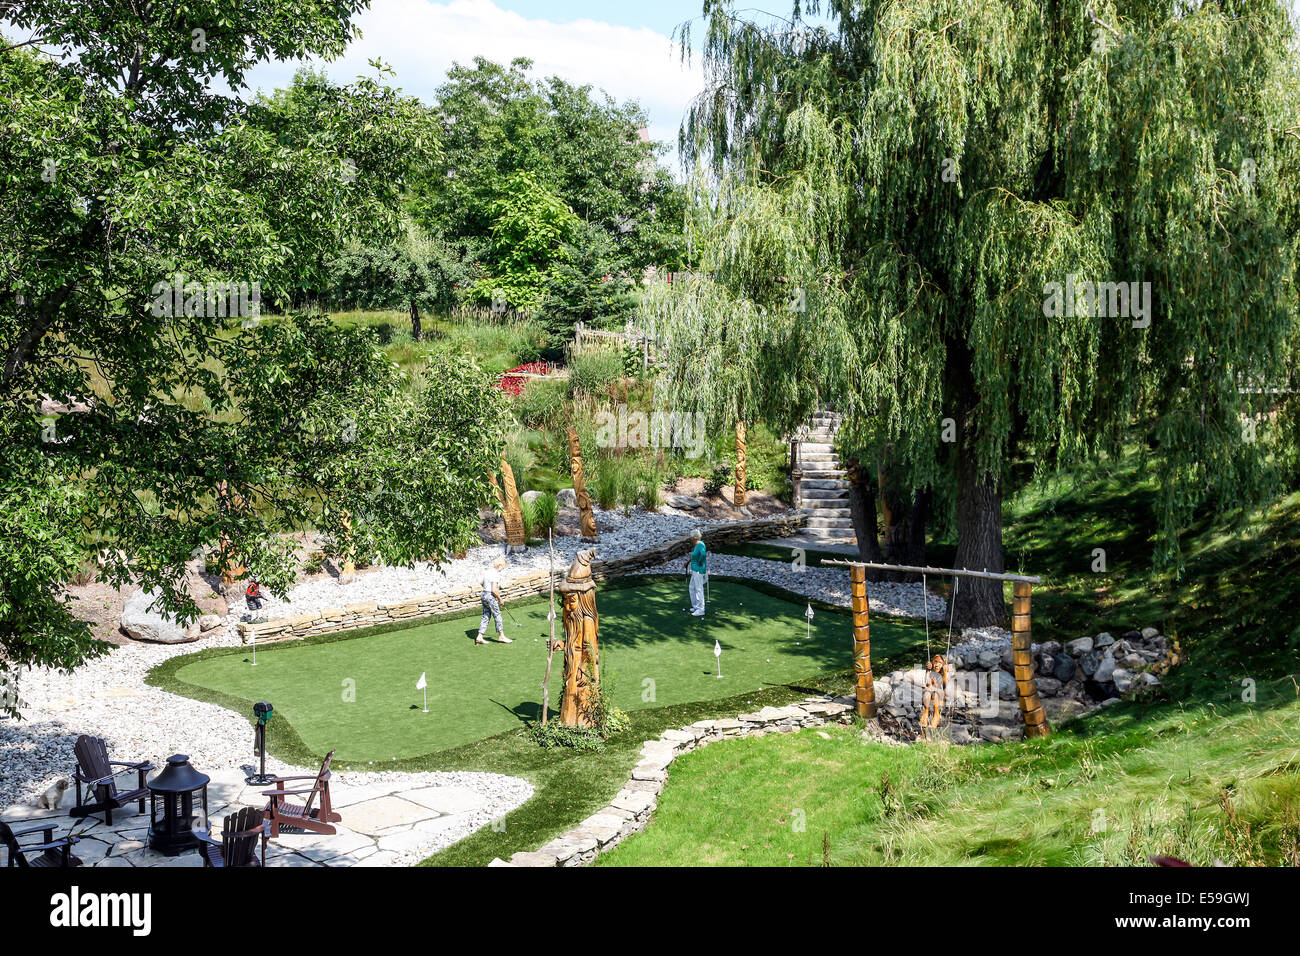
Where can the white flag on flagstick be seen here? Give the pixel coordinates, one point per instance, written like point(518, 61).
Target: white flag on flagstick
point(717, 649)
point(421, 684)
point(808, 613)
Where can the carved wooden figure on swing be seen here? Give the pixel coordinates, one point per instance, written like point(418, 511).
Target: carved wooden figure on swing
point(937, 674)
point(581, 643)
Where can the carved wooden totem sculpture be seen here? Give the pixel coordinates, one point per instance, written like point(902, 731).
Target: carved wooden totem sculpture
point(228, 502)
point(514, 515)
point(581, 645)
point(741, 463)
point(580, 488)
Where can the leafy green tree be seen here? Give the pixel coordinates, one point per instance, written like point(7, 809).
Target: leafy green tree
point(129, 188)
point(497, 121)
point(950, 168)
point(416, 272)
point(531, 230)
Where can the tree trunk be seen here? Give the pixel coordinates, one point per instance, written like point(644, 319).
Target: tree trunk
point(979, 545)
point(415, 321)
point(862, 510)
point(916, 528)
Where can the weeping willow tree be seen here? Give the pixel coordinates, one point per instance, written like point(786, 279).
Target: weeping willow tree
point(1021, 231)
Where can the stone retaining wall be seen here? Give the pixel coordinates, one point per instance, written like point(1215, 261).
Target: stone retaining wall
point(630, 810)
point(353, 616)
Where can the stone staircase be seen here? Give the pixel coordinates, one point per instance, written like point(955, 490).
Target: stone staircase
point(822, 489)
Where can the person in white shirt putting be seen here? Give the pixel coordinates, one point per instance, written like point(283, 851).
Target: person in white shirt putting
point(697, 569)
point(492, 602)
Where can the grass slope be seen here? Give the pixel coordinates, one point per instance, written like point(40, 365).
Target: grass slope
point(1130, 783)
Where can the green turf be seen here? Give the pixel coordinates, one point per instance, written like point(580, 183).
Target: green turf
point(652, 653)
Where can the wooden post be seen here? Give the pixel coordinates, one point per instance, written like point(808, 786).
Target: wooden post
point(1031, 707)
point(588, 519)
point(866, 685)
point(739, 495)
point(515, 536)
point(581, 645)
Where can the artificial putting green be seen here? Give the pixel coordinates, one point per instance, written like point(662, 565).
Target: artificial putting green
point(652, 653)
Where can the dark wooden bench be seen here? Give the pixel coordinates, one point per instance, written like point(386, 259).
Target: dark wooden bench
point(95, 770)
point(52, 853)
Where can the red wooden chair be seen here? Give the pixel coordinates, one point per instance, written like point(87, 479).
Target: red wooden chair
point(282, 812)
point(240, 834)
point(95, 770)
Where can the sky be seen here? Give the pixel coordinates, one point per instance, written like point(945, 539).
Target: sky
point(621, 47)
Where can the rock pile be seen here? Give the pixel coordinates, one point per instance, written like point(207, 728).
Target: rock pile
point(1075, 678)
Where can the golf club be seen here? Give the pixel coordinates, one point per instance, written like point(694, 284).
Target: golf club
point(511, 616)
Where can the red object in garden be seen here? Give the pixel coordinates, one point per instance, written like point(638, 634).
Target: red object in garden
point(512, 381)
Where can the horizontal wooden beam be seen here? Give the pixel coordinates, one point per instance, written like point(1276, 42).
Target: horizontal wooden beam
point(957, 572)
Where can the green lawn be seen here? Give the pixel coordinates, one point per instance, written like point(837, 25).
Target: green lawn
point(652, 652)
point(1128, 783)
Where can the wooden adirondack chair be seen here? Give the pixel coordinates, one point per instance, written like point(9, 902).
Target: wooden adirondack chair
point(95, 770)
point(53, 854)
point(240, 834)
point(281, 812)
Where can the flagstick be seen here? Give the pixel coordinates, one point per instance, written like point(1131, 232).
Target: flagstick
point(717, 652)
point(255, 648)
point(426, 699)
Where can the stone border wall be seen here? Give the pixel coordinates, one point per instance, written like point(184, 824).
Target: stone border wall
point(353, 616)
point(629, 812)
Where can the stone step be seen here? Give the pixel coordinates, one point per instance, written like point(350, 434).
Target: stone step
point(818, 522)
point(833, 511)
point(825, 484)
point(814, 473)
point(824, 461)
point(816, 448)
point(827, 494)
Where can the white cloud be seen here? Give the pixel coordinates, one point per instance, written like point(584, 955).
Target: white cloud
point(420, 40)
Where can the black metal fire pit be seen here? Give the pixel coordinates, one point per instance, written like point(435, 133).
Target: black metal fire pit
point(171, 806)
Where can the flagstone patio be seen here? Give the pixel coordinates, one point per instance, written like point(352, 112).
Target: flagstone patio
point(384, 824)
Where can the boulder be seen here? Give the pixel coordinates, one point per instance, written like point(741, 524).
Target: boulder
point(1132, 635)
point(1104, 639)
point(210, 622)
point(146, 623)
point(567, 497)
point(531, 495)
point(1079, 646)
point(988, 659)
point(1089, 661)
point(1007, 657)
point(1051, 647)
point(1006, 686)
point(1148, 633)
point(1105, 669)
point(1048, 686)
point(683, 502)
point(1124, 680)
point(1064, 669)
point(1047, 664)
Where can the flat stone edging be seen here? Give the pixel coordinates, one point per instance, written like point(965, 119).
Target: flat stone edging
point(353, 616)
point(630, 810)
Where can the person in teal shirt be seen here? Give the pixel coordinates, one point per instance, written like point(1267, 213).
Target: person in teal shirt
point(697, 566)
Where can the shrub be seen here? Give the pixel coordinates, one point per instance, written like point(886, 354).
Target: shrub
point(607, 484)
point(592, 372)
point(721, 476)
point(544, 509)
point(648, 489)
point(540, 404)
point(315, 562)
